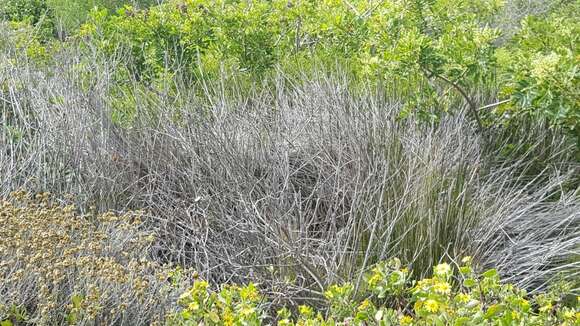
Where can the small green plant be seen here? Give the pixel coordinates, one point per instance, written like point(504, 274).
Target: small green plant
point(232, 305)
point(452, 296)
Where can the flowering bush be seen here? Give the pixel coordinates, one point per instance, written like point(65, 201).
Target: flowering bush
point(232, 305)
point(452, 296)
point(57, 267)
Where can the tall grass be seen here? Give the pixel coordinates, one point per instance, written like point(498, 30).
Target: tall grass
point(296, 185)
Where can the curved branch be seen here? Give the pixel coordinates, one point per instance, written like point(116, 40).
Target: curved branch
point(470, 103)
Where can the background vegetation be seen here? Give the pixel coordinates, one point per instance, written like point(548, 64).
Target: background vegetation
point(292, 144)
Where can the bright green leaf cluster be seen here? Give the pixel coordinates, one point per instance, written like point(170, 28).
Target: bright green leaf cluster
point(434, 54)
point(541, 68)
point(232, 305)
point(445, 37)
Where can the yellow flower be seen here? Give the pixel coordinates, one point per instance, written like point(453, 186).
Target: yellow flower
point(524, 304)
point(375, 279)
point(442, 270)
point(432, 305)
point(193, 306)
point(545, 65)
point(200, 286)
point(364, 305)
point(305, 311)
point(228, 318)
point(442, 287)
point(462, 298)
point(424, 283)
point(406, 320)
point(546, 307)
point(249, 293)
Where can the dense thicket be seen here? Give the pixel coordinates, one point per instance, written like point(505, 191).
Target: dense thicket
point(293, 144)
point(433, 53)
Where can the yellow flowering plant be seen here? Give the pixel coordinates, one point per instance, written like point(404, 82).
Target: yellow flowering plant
point(454, 295)
point(232, 305)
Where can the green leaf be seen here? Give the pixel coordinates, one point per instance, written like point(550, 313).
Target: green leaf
point(461, 321)
point(213, 316)
point(490, 273)
point(77, 300)
point(494, 310)
point(465, 270)
point(469, 283)
point(186, 315)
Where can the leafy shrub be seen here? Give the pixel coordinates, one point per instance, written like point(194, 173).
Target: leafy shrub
point(21, 39)
point(232, 305)
point(57, 267)
point(180, 36)
point(542, 72)
point(34, 12)
point(435, 41)
point(434, 53)
point(402, 35)
point(70, 14)
point(391, 297)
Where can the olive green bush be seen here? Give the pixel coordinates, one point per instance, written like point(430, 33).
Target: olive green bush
point(58, 18)
point(70, 14)
point(454, 295)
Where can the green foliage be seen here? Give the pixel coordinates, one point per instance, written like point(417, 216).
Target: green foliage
point(23, 41)
point(149, 35)
point(446, 41)
point(232, 305)
point(434, 53)
point(415, 42)
point(541, 69)
point(390, 297)
point(70, 14)
point(33, 12)
point(50, 17)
